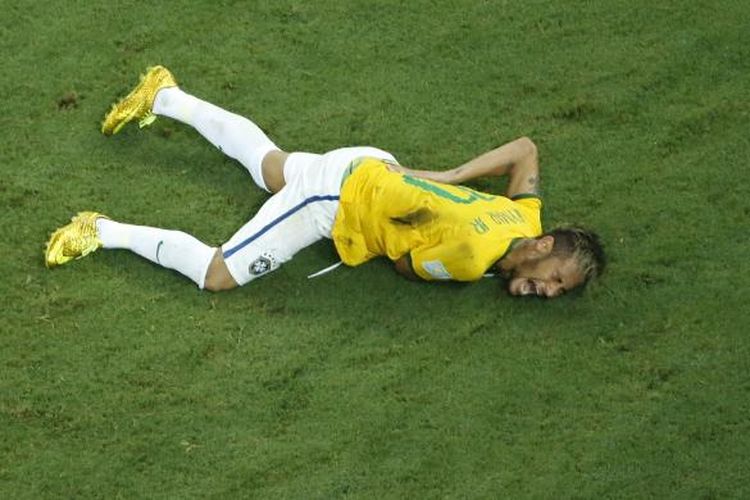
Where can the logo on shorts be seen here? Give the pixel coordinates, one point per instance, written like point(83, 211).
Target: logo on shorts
point(260, 266)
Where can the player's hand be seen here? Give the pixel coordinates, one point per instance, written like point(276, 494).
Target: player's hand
point(395, 167)
point(440, 176)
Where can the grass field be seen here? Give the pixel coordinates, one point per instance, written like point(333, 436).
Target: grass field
point(122, 380)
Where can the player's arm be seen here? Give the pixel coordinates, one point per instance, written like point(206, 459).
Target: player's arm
point(403, 267)
point(517, 159)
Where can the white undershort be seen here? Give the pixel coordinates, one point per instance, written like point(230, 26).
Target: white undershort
point(300, 214)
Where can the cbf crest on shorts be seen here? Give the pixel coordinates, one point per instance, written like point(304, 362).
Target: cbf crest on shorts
point(262, 265)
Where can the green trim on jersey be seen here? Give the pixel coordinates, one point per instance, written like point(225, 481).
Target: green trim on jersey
point(437, 189)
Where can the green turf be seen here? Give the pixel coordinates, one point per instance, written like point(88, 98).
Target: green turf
point(121, 380)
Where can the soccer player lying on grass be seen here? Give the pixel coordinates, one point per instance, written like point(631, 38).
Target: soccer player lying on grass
point(425, 222)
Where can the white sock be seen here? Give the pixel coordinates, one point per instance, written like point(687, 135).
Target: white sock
point(233, 134)
point(171, 249)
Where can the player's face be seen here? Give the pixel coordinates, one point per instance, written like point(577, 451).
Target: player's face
point(547, 277)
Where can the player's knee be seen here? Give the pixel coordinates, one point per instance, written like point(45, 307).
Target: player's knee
point(272, 168)
point(218, 277)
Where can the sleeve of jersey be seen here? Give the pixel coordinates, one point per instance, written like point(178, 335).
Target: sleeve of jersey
point(446, 262)
point(529, 200)
point(532, 206)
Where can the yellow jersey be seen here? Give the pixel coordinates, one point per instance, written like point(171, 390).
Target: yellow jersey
point(449, 232)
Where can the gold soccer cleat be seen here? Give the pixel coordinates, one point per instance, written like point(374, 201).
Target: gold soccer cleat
point(74, 240)
point(139, 102)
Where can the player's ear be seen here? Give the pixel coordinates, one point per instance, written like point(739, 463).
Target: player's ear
point(543, 246)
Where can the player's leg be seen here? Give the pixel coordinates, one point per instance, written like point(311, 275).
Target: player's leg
point(89, 231)
point(284, 225)
point(234, 135)
point(289, 221)
point(218, 277)
point(238, 137)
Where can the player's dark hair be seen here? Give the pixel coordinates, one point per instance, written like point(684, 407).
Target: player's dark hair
point(583, 245)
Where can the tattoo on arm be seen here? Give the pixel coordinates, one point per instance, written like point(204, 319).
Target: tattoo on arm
point(533, 183)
